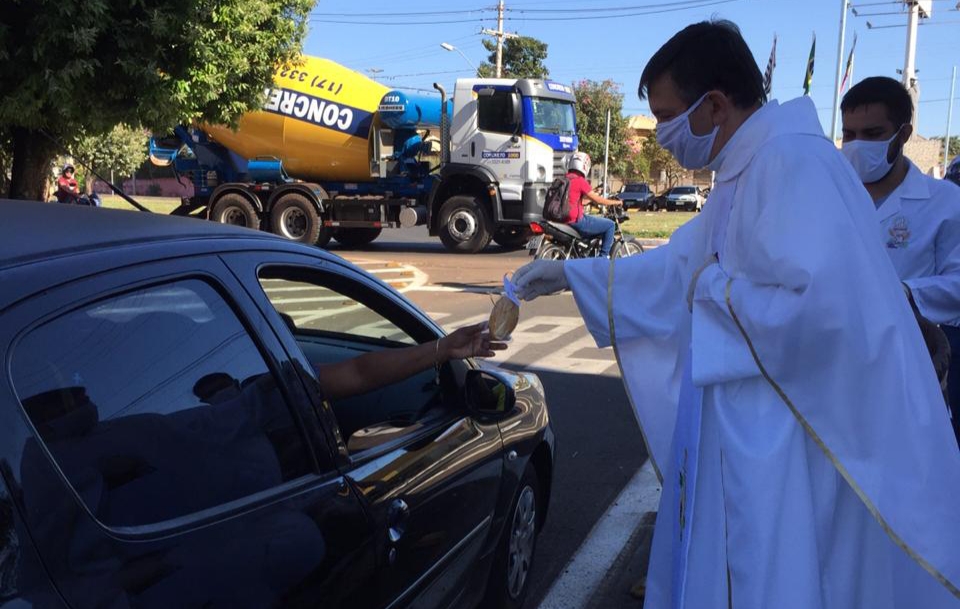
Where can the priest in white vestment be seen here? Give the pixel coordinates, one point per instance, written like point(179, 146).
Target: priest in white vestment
point(783, 388)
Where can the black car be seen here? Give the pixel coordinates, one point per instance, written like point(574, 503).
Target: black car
point(636, 195)
point(165, 443)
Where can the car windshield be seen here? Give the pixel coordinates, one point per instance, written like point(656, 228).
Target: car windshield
point(684, 190)
point(635, 188)
point(553, 116)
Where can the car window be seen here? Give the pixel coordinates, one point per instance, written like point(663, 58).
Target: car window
point(493, 112)
point(334, 318)
point(157, 404)
point(313, 306)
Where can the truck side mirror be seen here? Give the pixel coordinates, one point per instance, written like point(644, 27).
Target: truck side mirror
point(515, 111)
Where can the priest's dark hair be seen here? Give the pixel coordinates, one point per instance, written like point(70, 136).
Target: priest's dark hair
point(881, 90)
point(705, 56)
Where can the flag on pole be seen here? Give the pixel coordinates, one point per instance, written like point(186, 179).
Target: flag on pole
point(848, 72)
point(771, 64)
point(808, 77)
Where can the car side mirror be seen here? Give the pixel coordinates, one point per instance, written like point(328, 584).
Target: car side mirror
point(488, 394)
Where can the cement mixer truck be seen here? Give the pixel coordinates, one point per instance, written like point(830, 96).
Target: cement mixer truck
point(336, 155)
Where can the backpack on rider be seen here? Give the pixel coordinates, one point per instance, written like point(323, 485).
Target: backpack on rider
point(556, 207)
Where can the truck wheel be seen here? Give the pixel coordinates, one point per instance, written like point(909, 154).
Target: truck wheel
point(512, 238)
point(234, 209)
point(295, 218)
point(465, 226)
point(356, 237)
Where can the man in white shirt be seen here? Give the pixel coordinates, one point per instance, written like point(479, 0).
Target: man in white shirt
point(780, 380)
point(919, 215)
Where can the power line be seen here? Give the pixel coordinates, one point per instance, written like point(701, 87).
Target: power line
point(395, 23)
point(418, 14)
point(621, 15)
point(596, 9)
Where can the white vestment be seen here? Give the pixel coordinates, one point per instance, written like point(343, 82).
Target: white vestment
point(807, 461)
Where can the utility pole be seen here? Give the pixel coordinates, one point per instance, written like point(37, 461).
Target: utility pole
point(500, 35)
point(917, 9)
point(606, 156)
point(946, 140)
point(836, 92)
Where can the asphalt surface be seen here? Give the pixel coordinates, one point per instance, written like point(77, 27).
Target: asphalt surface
point(599, 447)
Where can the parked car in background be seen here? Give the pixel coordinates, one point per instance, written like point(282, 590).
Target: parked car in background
point(164, 441)
point(636, 195)
point(687, 198)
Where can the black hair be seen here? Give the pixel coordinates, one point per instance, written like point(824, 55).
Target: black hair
point(705, 56)
point(881, 90)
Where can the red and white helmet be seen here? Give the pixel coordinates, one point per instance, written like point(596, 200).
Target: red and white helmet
point(579, 162)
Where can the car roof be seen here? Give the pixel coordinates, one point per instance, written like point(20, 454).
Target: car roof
point(32, 230)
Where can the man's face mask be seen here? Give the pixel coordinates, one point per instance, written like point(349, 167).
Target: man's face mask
point(691, 151)
point(869, 158)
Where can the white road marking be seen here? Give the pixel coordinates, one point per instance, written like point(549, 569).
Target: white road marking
point(586, 569)
point(565, 358)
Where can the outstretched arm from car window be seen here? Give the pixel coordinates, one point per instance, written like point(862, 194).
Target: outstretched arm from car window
point(372, 371)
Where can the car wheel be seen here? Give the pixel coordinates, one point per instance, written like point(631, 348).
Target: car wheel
point(654, 206)
point(295, 218)
point(356, 237)
point(465, 226)
point(510, 574)
point(552, 252)
point(234, 209)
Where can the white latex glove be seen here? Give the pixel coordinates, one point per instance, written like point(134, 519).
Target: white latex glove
point(539, 278)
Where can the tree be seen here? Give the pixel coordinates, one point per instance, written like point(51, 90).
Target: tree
point(523, 57)
point(659, 159)
point(954, 148)
point(121, 151)
point(593, 100)
point(74, 66)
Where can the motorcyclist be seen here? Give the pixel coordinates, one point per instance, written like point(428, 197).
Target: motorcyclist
point(588, 226)
point(68, 191)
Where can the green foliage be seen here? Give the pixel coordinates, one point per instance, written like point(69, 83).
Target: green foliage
point(70, 67)
point(121, 151)
point(523, 57)
point(659, 159)
point(954, 148)
point(593, 100)
point(92, 64)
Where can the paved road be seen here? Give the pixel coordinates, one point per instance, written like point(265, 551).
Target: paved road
point(599, 445)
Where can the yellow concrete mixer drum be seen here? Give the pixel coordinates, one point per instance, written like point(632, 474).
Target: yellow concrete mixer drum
point(316, 119)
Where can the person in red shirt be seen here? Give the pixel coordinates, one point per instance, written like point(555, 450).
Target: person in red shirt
point(68, 191)
point(587, 225)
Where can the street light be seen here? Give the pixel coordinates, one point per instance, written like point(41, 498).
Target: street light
point(374, 72)
point(446, 46)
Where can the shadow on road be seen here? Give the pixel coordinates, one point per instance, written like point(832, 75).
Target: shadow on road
point(599, 448)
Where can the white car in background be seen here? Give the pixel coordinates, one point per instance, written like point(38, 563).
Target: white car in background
point(687, 198)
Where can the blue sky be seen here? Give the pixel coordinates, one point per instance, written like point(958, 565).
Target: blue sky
point(582, 46)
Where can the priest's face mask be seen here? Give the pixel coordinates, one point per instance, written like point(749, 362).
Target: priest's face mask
point(872, 142)
point(689, 131)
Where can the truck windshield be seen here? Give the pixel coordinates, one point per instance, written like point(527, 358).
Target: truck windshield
point(553, 116)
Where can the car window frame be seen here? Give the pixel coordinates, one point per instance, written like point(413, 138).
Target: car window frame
point(82, 291)
point(243, 263)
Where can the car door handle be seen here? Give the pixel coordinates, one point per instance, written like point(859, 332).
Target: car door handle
point(397, 516)
point(473, 149)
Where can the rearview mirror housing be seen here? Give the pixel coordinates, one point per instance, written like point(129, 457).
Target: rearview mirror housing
point(487, 393)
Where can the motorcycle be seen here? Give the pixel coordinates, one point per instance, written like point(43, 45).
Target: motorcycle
point(559, 241)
